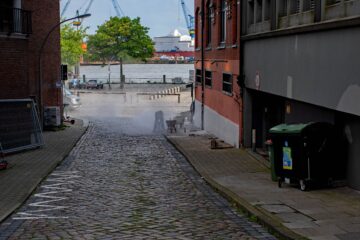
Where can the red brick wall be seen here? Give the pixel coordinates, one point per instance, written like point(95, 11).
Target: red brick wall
point(14, 80)
point(219, 61)
point(19, 57)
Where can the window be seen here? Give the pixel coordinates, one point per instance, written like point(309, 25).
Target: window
point(198, 76)
point(234, 23)
point(251, 10)
point(223, 21)
point(267, 10)
point(208, 23)
point(283, 8)
point(197, 28)
point(332, 2)
point(227, 83)
point(259, 7)
point(13, 19)
point(309, 5)
point(208, 78)
point(294, 6)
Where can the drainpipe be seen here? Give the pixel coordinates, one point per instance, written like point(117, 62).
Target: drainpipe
point(241, 80)
point(202, 64)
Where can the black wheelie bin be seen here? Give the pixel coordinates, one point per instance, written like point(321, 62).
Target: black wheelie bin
point(303, 153)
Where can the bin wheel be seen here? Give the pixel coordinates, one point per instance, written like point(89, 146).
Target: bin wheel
point(330, 182)
point(303, 185)
point(280, 182)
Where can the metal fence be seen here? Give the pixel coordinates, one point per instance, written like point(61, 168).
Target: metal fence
point(19, 125)
point(178, 80)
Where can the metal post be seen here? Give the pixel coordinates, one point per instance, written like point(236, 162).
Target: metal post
point(40, 98)
point(202, 64)
point(109, 71)
point(121, 74)
point(164, 78)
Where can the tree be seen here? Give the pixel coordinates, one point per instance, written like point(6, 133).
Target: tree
point(120, 38)
point(71, 44)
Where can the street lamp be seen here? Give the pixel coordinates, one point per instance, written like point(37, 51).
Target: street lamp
point(39, 59)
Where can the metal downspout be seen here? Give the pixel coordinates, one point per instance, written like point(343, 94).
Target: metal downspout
point(202, 64)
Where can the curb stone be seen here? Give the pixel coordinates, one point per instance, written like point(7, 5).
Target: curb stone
point(270, 223)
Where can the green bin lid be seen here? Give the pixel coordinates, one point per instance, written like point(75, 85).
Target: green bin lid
point(289, 128)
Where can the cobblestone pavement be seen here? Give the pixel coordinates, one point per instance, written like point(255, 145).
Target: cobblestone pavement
point(118, 186)
point(126, 187)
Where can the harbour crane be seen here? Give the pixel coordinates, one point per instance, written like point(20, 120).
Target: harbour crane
point(88, 7)
point(65, 8)
point(190, 20)
point(119, 11)
point(115, 3)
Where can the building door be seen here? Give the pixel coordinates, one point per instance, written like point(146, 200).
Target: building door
point(268, 111)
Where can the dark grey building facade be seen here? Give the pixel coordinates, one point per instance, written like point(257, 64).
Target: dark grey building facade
point(301, 63)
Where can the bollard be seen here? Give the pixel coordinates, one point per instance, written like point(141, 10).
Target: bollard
point(164, 78)
point(179, 98)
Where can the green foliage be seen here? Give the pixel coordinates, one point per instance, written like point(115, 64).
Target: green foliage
point(71, 40)
point(123, 38)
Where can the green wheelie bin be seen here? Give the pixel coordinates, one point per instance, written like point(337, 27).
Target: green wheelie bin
point(303, 153)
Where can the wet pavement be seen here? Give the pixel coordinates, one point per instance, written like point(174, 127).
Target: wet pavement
point(121, 185)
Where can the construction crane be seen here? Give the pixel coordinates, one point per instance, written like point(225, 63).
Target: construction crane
point(65, 8)
point(119, 11)
point(190, 20)
point(88, 7)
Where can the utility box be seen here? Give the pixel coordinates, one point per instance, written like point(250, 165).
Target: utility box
point(304, 153)
point(52, 116)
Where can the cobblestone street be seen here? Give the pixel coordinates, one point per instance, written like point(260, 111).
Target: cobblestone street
point(117, 186)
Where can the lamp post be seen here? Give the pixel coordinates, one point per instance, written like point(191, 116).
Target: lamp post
point(39, 60)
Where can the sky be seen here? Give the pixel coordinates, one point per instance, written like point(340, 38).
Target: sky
point(161, 16)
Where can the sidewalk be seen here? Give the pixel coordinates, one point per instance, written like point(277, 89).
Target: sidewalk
point(26, 170)
point(324, 214)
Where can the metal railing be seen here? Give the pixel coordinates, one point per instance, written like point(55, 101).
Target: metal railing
point(15, 20)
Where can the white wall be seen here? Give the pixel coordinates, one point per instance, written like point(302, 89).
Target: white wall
point(217, 125)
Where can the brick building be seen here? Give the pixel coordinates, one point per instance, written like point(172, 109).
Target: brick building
point(219, 110)
point(23, 26)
